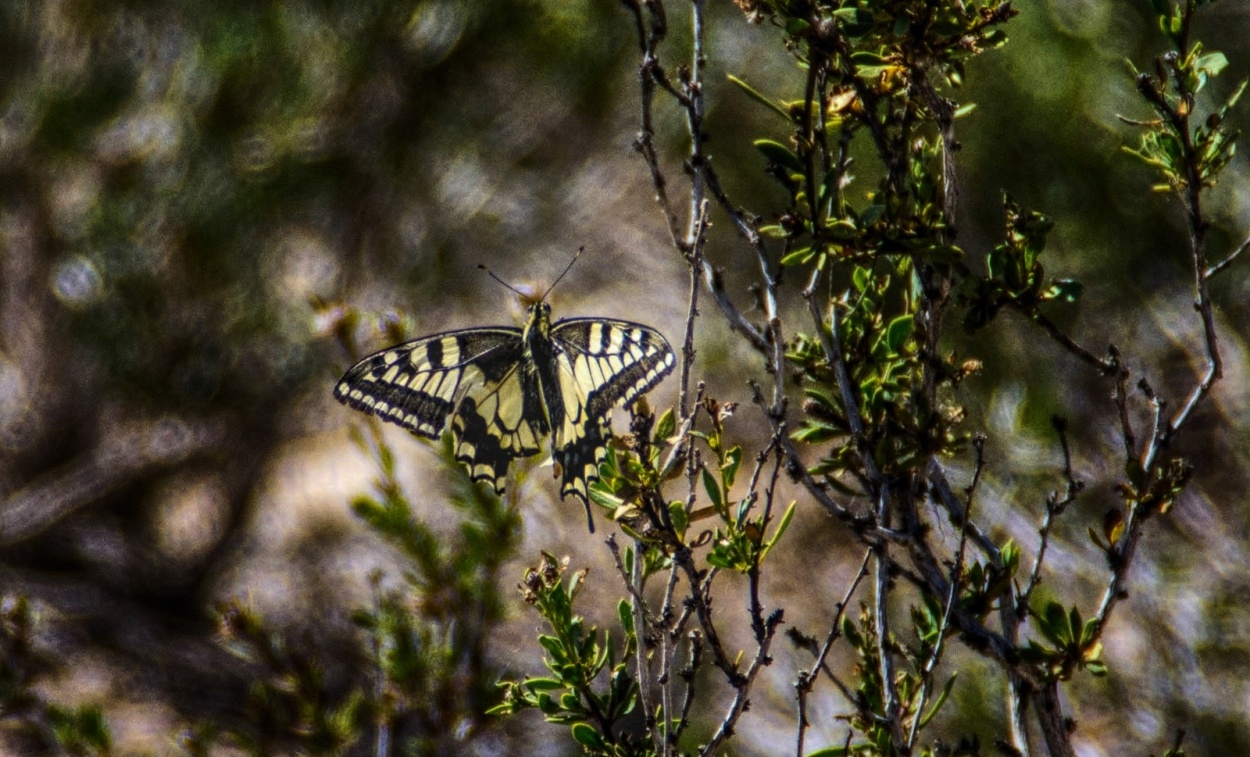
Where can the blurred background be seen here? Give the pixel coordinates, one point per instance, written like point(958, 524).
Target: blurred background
point(191, 192)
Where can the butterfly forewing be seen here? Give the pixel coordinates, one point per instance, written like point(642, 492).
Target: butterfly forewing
point(472, 373)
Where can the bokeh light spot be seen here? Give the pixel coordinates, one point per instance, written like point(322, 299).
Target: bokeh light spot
point(76, 282)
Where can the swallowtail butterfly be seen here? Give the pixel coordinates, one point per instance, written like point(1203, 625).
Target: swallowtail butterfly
point(507, 390)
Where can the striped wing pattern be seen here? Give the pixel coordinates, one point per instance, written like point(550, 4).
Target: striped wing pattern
point(475, 374)
point(502, 403)
point(602, 363)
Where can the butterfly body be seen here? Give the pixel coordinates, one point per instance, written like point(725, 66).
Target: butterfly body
point(507, 390)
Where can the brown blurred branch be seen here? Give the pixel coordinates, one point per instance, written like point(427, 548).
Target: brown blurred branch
point(122, 456)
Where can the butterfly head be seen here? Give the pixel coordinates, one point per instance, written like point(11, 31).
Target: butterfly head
point(539, 319)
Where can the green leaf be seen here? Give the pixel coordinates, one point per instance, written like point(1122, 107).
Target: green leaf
point(941, 700)
point(713, 490)
point(1089, 632)
point(587, 736)
point(842, 230)
point(759, 98)
point(604, 498)
point(965, 110)
point(729, 470)
point(1054, 622)
point(782, 525)
point(626, 616)
point(861, 277)
point(796, 26)
point(1211, 64)
point(815, 432)
point(856, 21)
point(677, 513)
point(665, 427)
point(775, 152)
point(1234, 97)
point(996, 262)
point(800, 256)
point(544, 684)
point(575, 583)
point(897, 332)
point(1010, 554)
point(554, 648)
point(851, 633)
point(944, 253)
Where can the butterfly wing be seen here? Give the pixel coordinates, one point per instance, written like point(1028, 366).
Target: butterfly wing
point(476, 376)
point(601, 363)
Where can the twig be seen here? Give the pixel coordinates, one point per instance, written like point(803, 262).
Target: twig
point(695, 260)
point(688, 675)
point(955, 509)
point(1121, 401)
point(795, 465)
point(881, 614)
point(693, 91)
point(741, 696)
point(703, 611)
point(1226, 262)
point(803, 686)
point(638, 607)
point(753, 573)
point(1122, 552)
point(1055, 505)
point(926, 675)
point(1105, 366)
point(830, 343)
point(628, 580)
point(649, 37)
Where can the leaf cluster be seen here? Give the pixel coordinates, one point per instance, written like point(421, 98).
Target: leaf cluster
point(590, 688)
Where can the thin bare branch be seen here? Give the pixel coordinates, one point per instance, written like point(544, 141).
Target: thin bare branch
point(803, 685)
point(1227, 261)
point(695, 260)
point(957, 570)
point(955, 509)
point(1055, 506)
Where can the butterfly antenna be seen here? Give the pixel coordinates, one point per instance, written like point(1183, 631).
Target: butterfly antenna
point(491, 273)
point(567, 268)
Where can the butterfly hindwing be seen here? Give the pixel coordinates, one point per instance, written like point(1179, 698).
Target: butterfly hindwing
point(497, 423)
point(602, 363)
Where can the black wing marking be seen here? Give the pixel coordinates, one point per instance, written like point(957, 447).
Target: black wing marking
point(602, 363)
point(475, 374)
point(482, 379)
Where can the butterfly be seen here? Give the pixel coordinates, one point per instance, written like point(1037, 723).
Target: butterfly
point(507, 390)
